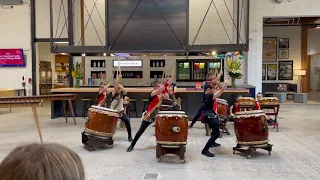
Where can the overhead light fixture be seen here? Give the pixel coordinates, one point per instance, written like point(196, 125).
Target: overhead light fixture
point(62, 42)
point(104, 54)
point(63, 53)
point(213, 52)
point(83, 54)
point(112, 55)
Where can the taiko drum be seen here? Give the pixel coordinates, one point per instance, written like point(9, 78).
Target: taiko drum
point(101, 121)
point(171, 126)
point(251, 127)
point(222, 108)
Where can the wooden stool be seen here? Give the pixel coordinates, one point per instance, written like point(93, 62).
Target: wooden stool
point(87, 101)
point(133, 107)
point(145, 104)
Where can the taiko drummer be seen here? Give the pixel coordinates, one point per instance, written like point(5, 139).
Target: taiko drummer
point(117, 97)
point(160, 92)
point(211, 117)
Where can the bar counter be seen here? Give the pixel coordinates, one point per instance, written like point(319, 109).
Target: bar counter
point(191, 98)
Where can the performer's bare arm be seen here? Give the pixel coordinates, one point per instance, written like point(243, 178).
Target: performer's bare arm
point(224, 87)
point(166, 96)
point(116, 85)
point(158, 91)
point(104, 89)
point(231, 109)
point(122, 89)
point(216, 79)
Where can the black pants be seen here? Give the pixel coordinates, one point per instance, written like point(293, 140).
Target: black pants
point(195, 119)
point(143, 127)
point(215, 133)
point(126, 121)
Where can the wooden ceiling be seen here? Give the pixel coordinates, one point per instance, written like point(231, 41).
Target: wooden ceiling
point(291, 21)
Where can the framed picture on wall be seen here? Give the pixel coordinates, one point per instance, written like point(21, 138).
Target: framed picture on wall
point(283, 43)
point(264, 72)
point(283, 53)
point(269, 51)
point(271, 72)
point(285, 70)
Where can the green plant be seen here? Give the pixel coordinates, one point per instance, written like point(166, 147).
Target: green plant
point(77, 71)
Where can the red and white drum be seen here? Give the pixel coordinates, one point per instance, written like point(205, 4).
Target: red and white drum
point(251, 128)
point(222, 108)
point(101, 121)
point(171, 127)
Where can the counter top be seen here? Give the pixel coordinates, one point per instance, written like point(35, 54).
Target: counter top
point(137, 90)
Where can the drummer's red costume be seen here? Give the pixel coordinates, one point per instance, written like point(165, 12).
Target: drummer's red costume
point(102, 95)
point(154, 103)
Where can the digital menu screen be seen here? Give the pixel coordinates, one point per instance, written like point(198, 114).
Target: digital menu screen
point(12, 58)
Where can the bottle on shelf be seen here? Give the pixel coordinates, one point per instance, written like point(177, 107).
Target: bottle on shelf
point(161, 63)
point(157, 64)
point(102, 64)
point(154, 64)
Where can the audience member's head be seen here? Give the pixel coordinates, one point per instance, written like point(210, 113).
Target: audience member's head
point(259, 96)
point(42, 162)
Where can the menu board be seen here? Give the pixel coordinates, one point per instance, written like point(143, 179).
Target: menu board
point(184, 71)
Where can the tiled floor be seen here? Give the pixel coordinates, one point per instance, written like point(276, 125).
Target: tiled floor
point(295, 156)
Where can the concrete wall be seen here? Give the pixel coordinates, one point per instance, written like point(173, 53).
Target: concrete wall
point(315, 78)
point(313, 41)
point(15, 32)
point(294, 35)
point(260, 9)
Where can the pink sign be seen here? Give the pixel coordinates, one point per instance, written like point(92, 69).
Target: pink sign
point(11, 57)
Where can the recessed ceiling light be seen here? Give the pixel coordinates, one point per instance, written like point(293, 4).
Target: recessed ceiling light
point(83, 54)
point(104, 54)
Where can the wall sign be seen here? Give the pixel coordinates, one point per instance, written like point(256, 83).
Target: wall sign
point(12, 57)
point(128, 63)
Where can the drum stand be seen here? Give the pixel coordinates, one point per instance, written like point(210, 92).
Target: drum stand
point(252, 148)
point(178, 150)
point(90, 142)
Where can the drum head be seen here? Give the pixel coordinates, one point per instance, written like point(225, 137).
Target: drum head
point(246, 98)
point(222, 101)
point(104, 109)
point(253, 113)
point(172, 112)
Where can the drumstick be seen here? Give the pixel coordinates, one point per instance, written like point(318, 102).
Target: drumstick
point(162, 76)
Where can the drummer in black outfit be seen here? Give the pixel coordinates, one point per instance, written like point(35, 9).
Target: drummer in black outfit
point(211, 117)
point(210, 79)
point(160, 92)
point(117, 98)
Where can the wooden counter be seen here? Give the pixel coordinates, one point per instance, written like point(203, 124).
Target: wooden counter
point(191, 98)
point(139, 90)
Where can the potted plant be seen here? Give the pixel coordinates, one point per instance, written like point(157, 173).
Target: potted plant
point(234, 70)
point(77, 74)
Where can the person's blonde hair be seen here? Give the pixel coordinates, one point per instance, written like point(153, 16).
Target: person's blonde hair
point(42, 162)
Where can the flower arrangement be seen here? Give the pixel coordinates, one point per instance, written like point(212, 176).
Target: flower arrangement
point(77, 74)
point(234, 67)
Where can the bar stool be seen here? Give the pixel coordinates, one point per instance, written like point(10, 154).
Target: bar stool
point(145, 104)
point(87, 103)
point(133, 107)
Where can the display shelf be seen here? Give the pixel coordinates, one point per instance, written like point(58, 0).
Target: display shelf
point(98, 74)
point(158, 63)
point(98, 63)
point(129, 74)
point(156, 74)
